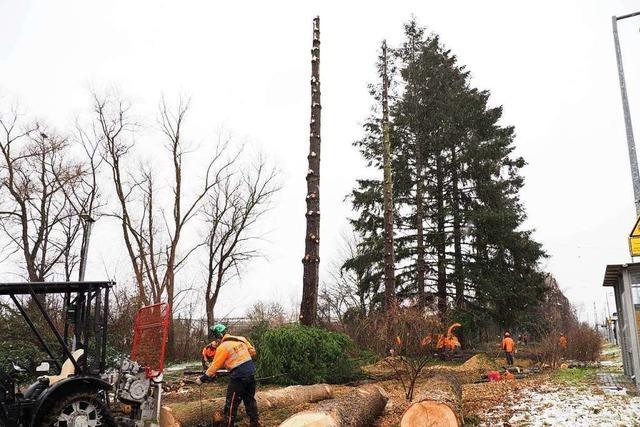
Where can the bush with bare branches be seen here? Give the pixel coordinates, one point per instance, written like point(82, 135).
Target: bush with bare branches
point(407, 337)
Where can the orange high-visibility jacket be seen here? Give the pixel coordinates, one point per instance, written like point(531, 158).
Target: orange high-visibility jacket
point(563, 342)
point(209, 351)
point(508, 345)
point(231, 353)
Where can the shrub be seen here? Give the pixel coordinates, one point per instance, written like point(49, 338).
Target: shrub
point(256, 334)
point(23, 353)
point(306, 355)
point(585, 343)
point(378, 332)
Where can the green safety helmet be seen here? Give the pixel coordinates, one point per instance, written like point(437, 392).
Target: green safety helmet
point(218, 330)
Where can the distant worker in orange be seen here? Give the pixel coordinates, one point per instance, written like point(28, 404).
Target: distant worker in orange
point(208, 353)
point(509, 347)
point(563, 342)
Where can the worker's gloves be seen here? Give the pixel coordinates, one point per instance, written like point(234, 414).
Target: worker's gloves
point(204, 379)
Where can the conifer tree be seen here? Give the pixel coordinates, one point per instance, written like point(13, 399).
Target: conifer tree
point(458, 216)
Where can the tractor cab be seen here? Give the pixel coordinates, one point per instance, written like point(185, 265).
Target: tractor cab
point(80, 391)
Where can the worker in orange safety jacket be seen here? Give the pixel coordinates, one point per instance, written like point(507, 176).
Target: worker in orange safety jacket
point(562, 341)
point(509, 346)
point(235, 354)
point(208, 353)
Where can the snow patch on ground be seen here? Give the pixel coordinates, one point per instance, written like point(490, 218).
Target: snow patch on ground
point(567, 407)
point(183, 366)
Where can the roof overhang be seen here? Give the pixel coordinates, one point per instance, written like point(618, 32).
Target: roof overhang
point(613, 272)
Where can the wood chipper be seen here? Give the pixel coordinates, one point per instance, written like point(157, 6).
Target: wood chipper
point(83, 393)
point(447, 346)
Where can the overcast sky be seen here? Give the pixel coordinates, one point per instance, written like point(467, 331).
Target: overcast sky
point(551, 64)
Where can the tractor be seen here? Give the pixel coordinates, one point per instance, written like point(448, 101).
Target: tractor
point(83, 392)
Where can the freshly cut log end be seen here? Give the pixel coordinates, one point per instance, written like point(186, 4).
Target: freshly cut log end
point(188, 414)
point(310, 419)
point(429, 414)
point(439, 404)
point(166, 418)
point(359, 408)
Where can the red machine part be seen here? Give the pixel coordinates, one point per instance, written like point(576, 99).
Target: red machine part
point(150, 331)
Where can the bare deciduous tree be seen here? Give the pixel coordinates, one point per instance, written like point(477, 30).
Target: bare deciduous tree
point(272, 312)
point(231, 214)
point(45, 185)
point(344, 291)
point(152, 237)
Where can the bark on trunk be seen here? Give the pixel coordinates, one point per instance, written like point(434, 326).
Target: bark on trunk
point(421, 267)
point(359, 408)
point(191, 413)
point(441, 245)
point(457, 232)
point(311, 260)
point(389, 250)
point(439, 404)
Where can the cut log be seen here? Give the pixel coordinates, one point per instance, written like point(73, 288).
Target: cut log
point(438, 404)
point(359, 408)
point(193, 413)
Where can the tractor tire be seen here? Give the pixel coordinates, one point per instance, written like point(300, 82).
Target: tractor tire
point(83, 406)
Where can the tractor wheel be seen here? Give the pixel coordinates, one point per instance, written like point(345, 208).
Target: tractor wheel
point(80, 410)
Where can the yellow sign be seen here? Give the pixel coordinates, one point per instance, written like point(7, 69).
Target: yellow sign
point(636, 229)
point(634, 245)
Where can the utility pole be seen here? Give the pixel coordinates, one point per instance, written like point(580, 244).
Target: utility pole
point(389, 250)
point(631, 146)
point(311, 260)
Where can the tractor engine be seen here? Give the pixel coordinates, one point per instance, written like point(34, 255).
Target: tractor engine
point(132, 384)
point(137, 394)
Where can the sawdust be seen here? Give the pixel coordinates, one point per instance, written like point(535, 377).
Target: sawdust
point(479, 362)
point(383, 367)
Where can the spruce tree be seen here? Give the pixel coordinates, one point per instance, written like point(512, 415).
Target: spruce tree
point(459, 233)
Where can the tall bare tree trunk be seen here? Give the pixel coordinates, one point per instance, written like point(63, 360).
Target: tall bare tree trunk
point(311, 260)
point(389, 250)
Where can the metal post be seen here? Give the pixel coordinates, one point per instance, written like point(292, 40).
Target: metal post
point(87, 222)
point(633, 159)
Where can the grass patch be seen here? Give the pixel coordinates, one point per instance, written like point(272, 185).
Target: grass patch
point(575, 376)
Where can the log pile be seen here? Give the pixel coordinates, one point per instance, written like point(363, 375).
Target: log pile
point(359, 408)
point(438, 404)
point(198, 412)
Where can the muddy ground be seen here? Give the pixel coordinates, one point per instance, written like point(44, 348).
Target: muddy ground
point(477, 397)
point(564, 397)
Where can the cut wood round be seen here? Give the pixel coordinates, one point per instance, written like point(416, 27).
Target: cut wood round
point(359, 408)
point(438, 404)
point(195, 412)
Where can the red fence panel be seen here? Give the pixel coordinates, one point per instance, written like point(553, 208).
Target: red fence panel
point(150, 331)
